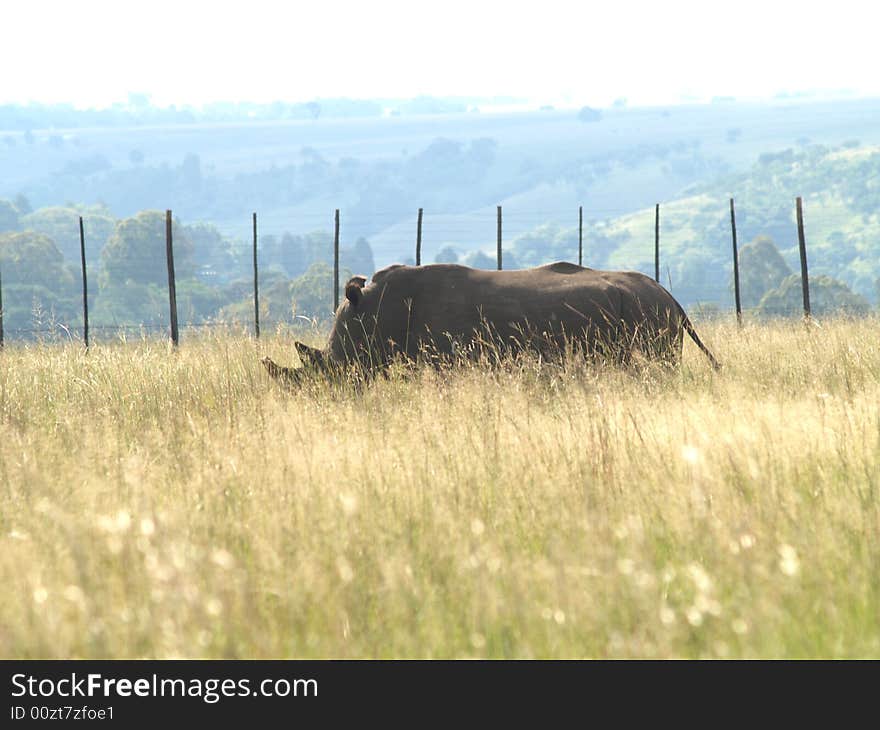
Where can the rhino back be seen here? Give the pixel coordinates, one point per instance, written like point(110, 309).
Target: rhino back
point(643, 299)
point(406, 307)
point(448, 300)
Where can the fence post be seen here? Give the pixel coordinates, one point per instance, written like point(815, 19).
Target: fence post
point(82, 252)
point(419, 240)
point(802, 244)
point(580, 235)
point(1, 311)
point(172, 286)
point(256, 286)
point(739, 315)
point(336, 263)
point(499, 238)
point(657, 243)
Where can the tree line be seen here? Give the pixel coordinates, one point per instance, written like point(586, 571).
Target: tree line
point(41, 273)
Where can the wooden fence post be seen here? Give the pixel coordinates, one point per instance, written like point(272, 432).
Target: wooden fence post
point(739, 316)
point(1, 311)
point(336, 263)
point(256, 286)
point(172, 286)
point(499, 238)
point(82, 252)
point(657, 243)
point(419, 240)
point(802, 244)
point(580, 235)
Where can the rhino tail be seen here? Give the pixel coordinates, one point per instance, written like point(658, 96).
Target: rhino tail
point(686, 322)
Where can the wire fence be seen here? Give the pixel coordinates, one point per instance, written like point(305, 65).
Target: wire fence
point(238, 268)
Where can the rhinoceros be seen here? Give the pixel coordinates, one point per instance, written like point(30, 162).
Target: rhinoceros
point(443, 311)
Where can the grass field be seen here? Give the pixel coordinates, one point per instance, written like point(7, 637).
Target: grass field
point(179, 504)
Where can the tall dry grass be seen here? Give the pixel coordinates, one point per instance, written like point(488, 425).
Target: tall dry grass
point(157, 503)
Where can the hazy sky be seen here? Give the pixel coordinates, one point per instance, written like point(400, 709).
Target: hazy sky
point(93, 52)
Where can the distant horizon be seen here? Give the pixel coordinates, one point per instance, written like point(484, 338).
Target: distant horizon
point(141, 100)
point(94, 53)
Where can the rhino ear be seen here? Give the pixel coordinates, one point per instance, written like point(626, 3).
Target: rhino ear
point(353, 289)
point(309, 355)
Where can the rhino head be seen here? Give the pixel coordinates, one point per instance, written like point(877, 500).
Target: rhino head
point(349, 341)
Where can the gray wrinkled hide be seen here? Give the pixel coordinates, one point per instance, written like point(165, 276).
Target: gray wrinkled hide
point(445, 309)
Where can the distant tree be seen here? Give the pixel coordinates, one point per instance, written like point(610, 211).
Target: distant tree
point(37, 285)
point(198, 301)
point(541, 245)
point(350, 165)
point(588, 114)
point(136, 251)
point(294, 253)
point(446, 255)
point(86, 166)
point(442, 150)
point(211, 252)
point(442, 163)
point(131, 296)
point(138, 100)
point(22, 204)
point(482, 151)
point(827, 296)
point(432, 105)
point(311, 294)
point(480, 260)
point(694, 273)
point(510, 261)
point(786, 157)
point(33, 259)
point(62, 226)
point(761, 268)
point(238, 296)
point(8, 216)
point(358, 258)
point(191, 173)
point(131, 303)
point(315, 169)
point(267, 250)
point(286, 253)
point(283, 299)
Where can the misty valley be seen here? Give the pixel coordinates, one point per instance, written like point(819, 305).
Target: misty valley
point(380, 161)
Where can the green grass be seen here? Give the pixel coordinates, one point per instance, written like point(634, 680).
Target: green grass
point(165, 504)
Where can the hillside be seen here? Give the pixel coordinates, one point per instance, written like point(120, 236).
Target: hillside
point(840, 187)
point(380, 170)
point(539, 166)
